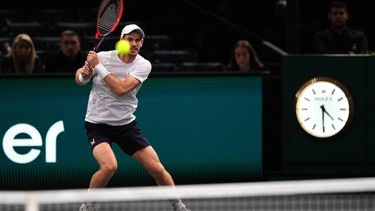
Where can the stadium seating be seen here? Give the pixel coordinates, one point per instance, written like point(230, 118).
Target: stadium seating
point(201, 66)
point(45, 25)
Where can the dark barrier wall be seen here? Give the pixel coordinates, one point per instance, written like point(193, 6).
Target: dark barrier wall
point(205, 129)
point(349, 153)
point(370, 108)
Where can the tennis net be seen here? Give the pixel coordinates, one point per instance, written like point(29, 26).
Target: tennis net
point(303, 195)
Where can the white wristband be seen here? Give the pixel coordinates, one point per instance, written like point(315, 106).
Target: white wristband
point(82, 80)
point(101, 70)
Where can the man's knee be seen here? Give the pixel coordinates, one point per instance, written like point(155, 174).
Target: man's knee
point(157, 170)
point(109, 168)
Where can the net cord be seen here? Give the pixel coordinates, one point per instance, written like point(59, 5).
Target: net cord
point(226, 190)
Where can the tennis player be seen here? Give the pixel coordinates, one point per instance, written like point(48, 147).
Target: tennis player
point(110, 112)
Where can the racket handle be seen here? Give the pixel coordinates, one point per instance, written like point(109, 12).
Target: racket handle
point(97, 44)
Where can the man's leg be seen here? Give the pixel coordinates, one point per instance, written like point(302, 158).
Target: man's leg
point(107, 162)
point(148, 158)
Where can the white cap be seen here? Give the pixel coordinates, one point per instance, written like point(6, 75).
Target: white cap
point(131, 27)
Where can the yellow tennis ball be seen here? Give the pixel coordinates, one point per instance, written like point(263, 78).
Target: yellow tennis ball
point(123, 47)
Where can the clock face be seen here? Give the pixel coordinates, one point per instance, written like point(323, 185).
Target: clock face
point(323, 107)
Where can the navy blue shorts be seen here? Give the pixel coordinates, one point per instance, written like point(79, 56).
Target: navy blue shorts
point(128, 137)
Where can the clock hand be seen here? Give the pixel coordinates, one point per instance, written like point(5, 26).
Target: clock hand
point(328, 114)
point(322, 107)
point(325, 111)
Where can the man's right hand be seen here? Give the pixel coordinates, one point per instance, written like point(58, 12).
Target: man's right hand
point(86, 71)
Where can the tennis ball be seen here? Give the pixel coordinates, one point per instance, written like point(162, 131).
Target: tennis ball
point(123, 47)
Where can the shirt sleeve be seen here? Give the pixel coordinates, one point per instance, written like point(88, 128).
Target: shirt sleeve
point(142, 71)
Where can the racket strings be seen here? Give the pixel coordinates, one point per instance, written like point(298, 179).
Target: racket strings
point(108, 18)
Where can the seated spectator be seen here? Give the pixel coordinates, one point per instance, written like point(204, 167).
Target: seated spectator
point(69, 57)
point(338, 38)
point(244, 58)
point(22, 58)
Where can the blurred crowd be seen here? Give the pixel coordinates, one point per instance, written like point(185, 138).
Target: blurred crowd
point(29, 47)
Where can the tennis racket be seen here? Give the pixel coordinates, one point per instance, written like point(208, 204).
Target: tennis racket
point(109, 15)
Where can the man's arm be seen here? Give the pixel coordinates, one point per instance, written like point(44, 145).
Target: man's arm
point(78, 74)
point(83, 75)
point(123, 86)
point(119, 86)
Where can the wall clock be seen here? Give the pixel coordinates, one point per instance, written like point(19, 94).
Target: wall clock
point(324, 107)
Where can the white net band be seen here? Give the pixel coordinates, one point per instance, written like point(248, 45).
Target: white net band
point(331, 194)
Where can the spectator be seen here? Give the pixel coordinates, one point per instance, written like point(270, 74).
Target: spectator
point(338, 38)
point(69, 57)
point(244, 58)
point(22, 58)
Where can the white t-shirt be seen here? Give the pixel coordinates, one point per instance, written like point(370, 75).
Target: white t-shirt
point(104, 106)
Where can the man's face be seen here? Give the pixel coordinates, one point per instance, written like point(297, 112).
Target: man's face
point(70, 46)
point(136, 42)
point(338, 17)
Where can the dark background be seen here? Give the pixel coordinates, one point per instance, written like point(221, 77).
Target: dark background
point(211, 27)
